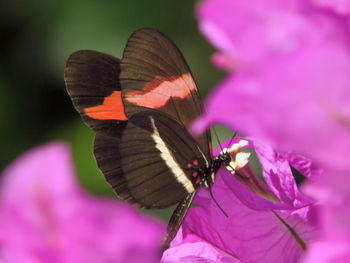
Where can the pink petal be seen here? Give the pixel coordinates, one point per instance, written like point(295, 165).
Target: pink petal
point(329, 251)
point(253, 31)
point(333, 215)
point(277, 174)
point(271, 108)
point(291, 87)
point(341, 7)
point(49, 166)
point(248, 235)
point(333, 196)
point(304, 165)
point(194, 249)
point(46, 216)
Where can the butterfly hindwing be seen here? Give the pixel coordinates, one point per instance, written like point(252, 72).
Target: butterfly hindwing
point(159, 160)
point(107, 154)
point(154, 74)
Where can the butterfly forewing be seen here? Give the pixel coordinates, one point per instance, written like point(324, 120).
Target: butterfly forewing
point(92, 81)
point(160, 159)
point(155, 75)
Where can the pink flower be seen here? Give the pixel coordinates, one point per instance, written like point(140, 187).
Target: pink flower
point(46, 217)
point(333, 195)
point(280, 191)
point(288, 84)
point(273, 228)
point(341, 7)
point(289, 65)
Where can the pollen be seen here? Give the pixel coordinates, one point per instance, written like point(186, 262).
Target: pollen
point(238, 159)
point(235, 147)
point(242, 159)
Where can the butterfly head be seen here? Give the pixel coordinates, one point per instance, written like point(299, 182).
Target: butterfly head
point(208, 175)
point(232, 158)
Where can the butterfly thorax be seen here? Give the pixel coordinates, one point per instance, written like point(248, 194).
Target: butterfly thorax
point(208, 174)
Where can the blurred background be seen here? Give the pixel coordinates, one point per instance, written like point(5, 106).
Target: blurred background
point(36, 39)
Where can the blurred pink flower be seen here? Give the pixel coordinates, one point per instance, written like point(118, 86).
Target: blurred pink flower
point(341, 7)
point(289, 64)
point(333, 195)
point(257, 229)
point(45, 216)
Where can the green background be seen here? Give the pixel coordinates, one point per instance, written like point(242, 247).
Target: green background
point(36, 39)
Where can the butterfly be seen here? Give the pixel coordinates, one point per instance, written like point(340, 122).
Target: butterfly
point(141, 108)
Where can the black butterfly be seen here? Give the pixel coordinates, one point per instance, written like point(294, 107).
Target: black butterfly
point(140, 108)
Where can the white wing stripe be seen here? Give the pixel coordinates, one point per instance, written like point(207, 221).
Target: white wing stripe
point(170, 161)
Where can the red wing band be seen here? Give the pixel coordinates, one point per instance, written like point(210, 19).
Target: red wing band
point(160, 90)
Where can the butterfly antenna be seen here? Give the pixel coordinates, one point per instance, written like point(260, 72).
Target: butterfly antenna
point(217, 138)
point(217, 204)
point(233, 136)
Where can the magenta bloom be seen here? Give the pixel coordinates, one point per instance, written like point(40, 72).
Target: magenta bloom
point(276, 228)
point(289, 65)
point(333, 195)
point(46, 217)
point(340, 7)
